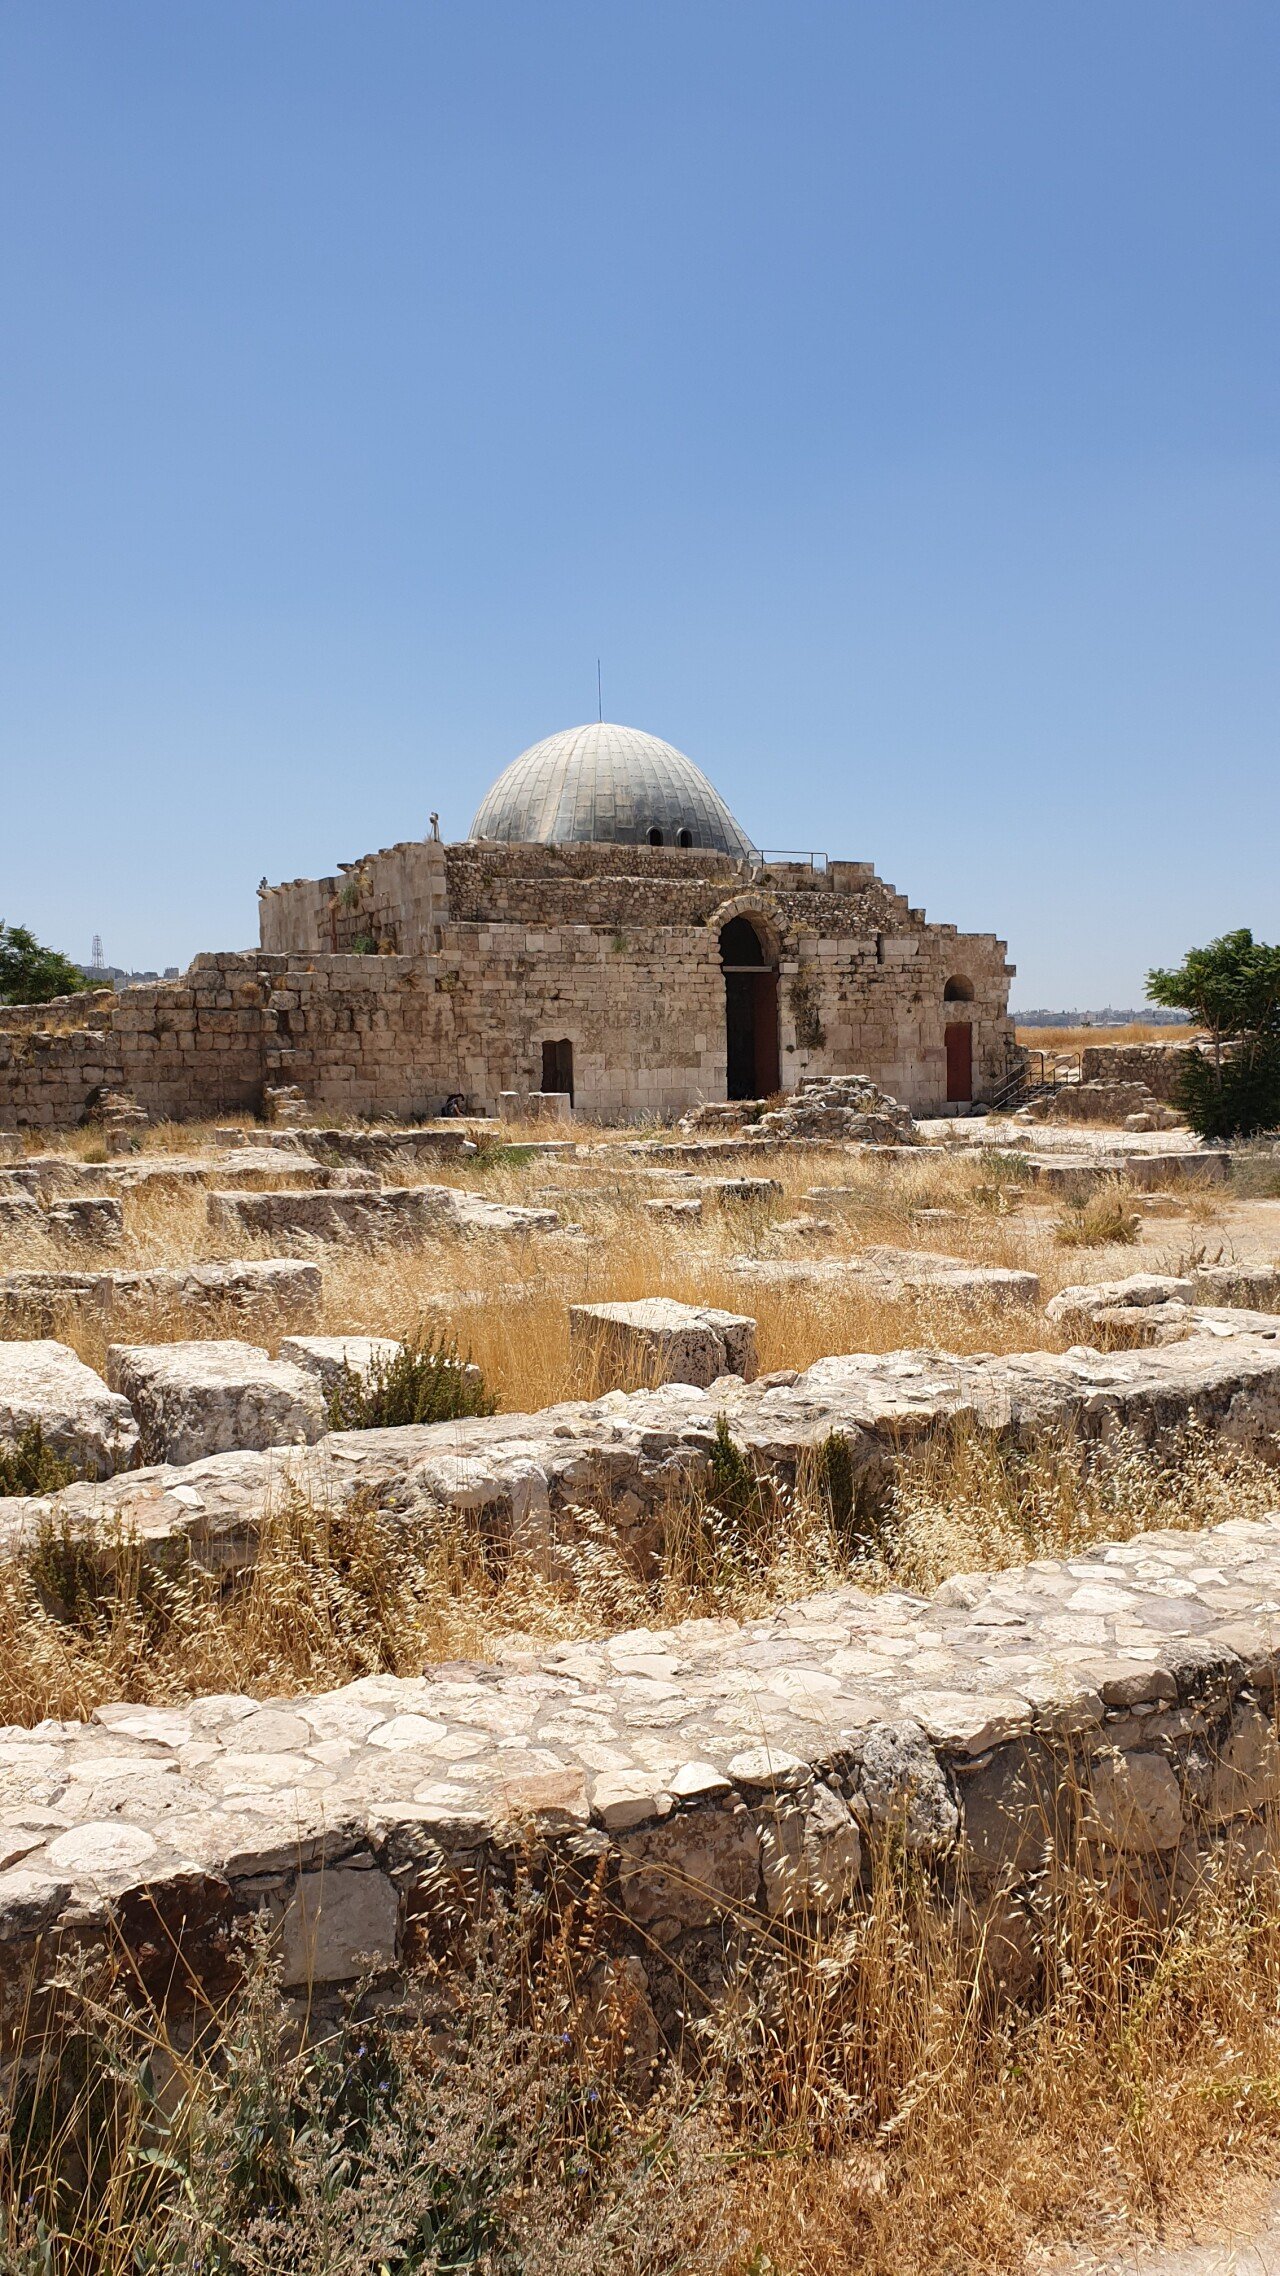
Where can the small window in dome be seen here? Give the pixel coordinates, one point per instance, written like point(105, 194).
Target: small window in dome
point(656, 838)
point(684, 837)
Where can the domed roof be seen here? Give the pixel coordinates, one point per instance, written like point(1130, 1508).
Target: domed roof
point(608, 785)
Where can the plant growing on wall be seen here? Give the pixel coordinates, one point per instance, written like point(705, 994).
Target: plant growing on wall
point(30, 974)
point(1232, 987)
point(803, 998)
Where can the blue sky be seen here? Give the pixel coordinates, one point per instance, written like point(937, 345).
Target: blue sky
point(886, 389)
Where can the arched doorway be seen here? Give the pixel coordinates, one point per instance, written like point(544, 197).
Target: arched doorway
point(750, 1012)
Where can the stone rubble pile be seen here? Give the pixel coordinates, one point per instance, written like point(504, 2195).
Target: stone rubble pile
point(1115, 1708)
point(834, 1108)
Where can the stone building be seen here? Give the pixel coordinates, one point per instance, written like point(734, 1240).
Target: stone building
point(609, 929)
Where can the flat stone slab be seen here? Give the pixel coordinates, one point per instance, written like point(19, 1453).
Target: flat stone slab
point(193, 1399)
point(328, 1357)
point(896, 1272)
point(273, 1293)
point(666, 1342)
point(1121, 1699)
point(395, 1213)
point(81, 1420)
point(1079, 1306)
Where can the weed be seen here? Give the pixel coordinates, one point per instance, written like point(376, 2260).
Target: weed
point(424, 1381)
point(1106, 1219)
point(29, 1466)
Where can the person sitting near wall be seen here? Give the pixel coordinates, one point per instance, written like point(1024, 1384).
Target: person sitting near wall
point(454, 1105)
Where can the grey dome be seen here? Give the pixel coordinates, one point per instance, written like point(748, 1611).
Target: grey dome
point(607, 785)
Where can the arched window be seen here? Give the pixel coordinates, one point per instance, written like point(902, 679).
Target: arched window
point(958, 990)
point(656, 837)
point(684, 837)
point(740, 943)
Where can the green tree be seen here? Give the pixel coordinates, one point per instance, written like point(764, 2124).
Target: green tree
point(30, 974)
point(1232, 988)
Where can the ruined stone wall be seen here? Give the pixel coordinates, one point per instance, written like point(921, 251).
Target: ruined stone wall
point(388, 903)
point(1158, 1065)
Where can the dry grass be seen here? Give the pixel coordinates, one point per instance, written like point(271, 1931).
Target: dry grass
point(337, 1595)
point(506, 1297)
point(852, 2099)
point(1079, 1038)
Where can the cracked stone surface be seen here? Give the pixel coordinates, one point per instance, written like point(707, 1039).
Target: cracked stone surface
point(389, 1214)
point(272, 1292)
point(666, 1341)
point(626, 1454)
point(210, 1397)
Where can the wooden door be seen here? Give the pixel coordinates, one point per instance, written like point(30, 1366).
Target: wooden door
point(959, 1042)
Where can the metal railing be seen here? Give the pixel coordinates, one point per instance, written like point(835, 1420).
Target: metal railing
point(770, 857)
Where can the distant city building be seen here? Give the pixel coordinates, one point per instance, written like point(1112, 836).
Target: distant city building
point(1148, 1015)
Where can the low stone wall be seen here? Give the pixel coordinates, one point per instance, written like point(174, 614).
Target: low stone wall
point(636, 1457)
point(1114, 1712)
point(1158, 1065)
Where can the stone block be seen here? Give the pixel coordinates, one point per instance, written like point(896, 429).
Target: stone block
point(661, 1341)
point(81, 1420)
point(196, 1399)
point(1135, 1803)
point(87, 1218)
point(1253, 1287)
point(337, 1921)
point(325, 1357)
point(742, 1192)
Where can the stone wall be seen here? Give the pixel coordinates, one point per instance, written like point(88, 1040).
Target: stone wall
point(1158, 1065)
point(1113, 1713)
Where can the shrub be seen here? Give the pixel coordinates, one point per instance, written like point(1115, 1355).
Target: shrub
point(30, 974)
point(425, 1381)
point(1233, 988)
point(28, 1466)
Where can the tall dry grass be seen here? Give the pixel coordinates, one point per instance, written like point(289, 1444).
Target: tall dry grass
point(831, 2096)
point(334, 1595)
point(507, 1296)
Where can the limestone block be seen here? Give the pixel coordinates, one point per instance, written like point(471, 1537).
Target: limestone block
point(20, 1214)
point(95, 1217)
point(1255, 1287)
point(662, 1341)
point(692, 1868)
point(810, 1853)
point(325, 1357)
point(81, 1420)
point(196, 1399)
point(1135, 1803)
point(738, 1192)
point(1246, 1776)
point(337, 1921)
point(1078, 1306)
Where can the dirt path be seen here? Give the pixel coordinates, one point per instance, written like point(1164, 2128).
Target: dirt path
point(1251, 2247)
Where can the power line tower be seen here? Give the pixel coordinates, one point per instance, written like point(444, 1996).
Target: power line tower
point(97, 960)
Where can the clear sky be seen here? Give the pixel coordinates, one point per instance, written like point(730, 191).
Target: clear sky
point(885, 389)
